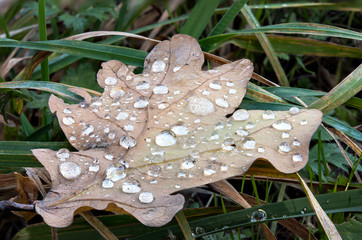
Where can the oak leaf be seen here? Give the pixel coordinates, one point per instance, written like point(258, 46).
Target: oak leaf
point(167, 129)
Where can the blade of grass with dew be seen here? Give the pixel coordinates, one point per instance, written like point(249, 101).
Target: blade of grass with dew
point(267, 46)
point(199, 17)
point(184, 225)
point(345, 90)
point(229, 16)
point(324, 220)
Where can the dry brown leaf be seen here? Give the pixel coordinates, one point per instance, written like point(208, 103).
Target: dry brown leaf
point(161, 131)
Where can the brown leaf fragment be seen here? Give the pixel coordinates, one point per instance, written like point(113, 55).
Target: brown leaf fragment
point(153, 134)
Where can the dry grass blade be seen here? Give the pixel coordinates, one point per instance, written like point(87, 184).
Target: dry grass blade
point(184, 225)
point(86, 35)
point(323, 218)
point(98, 225)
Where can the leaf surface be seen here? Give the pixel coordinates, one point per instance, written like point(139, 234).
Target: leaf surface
point(172, 127)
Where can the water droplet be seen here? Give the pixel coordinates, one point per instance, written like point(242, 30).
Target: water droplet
point(228, 144)
point(70, 170)
point(162, 106)
point(268, 114)
point(188, 143)
point(165, 138)
point(259, 215)
point(282, 125)
point(250, 125)
point(242, 132)
point(303, 122)
point(160, 89)
point(296, 143)
point(209, 170)
point(67, 111)
point(68, 120)
point(111, 136)
point(176, 69)
point(224, 167)
point(122, 116)
point(215, 85)
point(96, 102)
point(154, 171)
point(158, 66)
point(261, 149)
point(157, 158)
point(157, 151)
point(221, 102)
point(180, 129)
point(128, 127)
point(116, 174)
point(230, 84)
point(181, 174)
point(131, 186)
point(285, 135)
point(297, 158)
point(141, 102)
point(294, 110)
point(232, 91)
point(240, 115)
point(214, 136)
point(146, 197)
point(88, 129)
point(248, 143)
point(127, 142)
point(110, 81)
point(143, 85)
point(219, 125)
point(200, 106)
point(107, 183)
point(177, 186)
point(304, 210)
point(188, 163)
point(108, 156)
point(284, 147)
point(62, 154)
point(117, 92)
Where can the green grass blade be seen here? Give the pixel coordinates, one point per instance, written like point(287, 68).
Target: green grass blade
point(267, 46)
point(345, 90)
point(229, 16)
point(337, 124)
point(184, 225)
point(85, 49)
point(199, 17)
point(43, 37)
point(56, 88)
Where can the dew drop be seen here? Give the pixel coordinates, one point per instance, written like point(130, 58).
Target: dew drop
point(250, 125)
point(259, 215)
point(188, 163)
point(224, 167)
point(117, 92)
point(154, 171)
point(165, 138)
point(240, 115)
point(214, 136)
point(157, 151)
point(111, 136)
point(127, 142)
point(163, 105)
point(230, 84)
point(215, 85)
point(93, 168)
point(303, 122)
point(296, 143)
point(228, 144)
point(176, 69)
point(282, 125)
point(285, 135)
point(116, 174)
point(261, 149)
point(180, 129)
point(67, 111)
point(108, 156)
point(177, 186)
point(200, 106)
point(157, 158)
point(160, 90)
point(131, 186)
point(128, 127)
point(284, 147)
point(110, 81)
point(268, 114)
point(221, 102)
point(297, 158)
point(294, 110)
point(68, 120)
point(107, 183)
point(242, 132)
point(158, 66)
point(141, 102)
point(70, 170)
point(209, 170)
point(248, 143)
point(181, 174)
point(219, 125)
point(188, 143)
point(232, 91)
point(122, 116)
point(143, 85)
point(88, 130)
point(62, 154)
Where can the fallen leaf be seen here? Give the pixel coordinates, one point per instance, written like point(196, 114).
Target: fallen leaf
point(167, 129)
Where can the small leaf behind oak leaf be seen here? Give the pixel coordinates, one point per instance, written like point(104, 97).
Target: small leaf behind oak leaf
point(153, 134)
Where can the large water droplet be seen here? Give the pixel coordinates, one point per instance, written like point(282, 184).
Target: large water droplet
point(188, 163)
point(160, 89)
point(228, 144)
point(146, 197)
point(297, 158)
point(294, 110)
point(143, 85)
point(107, 183)
point(284, 147)
point(221, 102)
point(200, 106)
point(131, 186)
point(62, 154)
point(127, 142)
point(209, 170)
point(282, 125)
point(117, 92)
point(268, 114)
point(242, 132)
point(88, 129)
point(215, 85)
point(116, 174)
point(154, 171)
point(158, 66)
point(259, 215)
point(68, 120)
point(69, 170)
point(240, 115)
point(165, 138)
point(248, 143)
point(180, 129)
point(141, 102)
